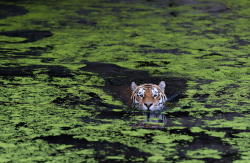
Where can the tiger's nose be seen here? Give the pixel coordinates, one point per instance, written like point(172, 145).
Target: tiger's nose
point(148, 104)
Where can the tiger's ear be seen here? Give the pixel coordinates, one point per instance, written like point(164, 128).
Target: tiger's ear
point(162, 85)
point(133, 86)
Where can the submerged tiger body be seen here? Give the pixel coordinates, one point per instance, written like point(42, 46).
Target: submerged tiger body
point(148, 96)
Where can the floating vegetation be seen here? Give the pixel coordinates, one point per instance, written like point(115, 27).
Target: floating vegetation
point(66, 68)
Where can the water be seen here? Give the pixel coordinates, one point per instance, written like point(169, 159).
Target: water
point(66, 68)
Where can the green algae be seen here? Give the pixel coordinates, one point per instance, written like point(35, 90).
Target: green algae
point(191, 161)
point(209, 50)
point(204, 153)
point(156, 159)
point(243, 142)
point(166, 140)
point(236, 123)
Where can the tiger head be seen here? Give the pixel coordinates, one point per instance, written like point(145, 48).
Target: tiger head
point(148, 96)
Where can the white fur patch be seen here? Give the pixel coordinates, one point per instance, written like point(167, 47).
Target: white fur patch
point(141, 92)
point(155, 92)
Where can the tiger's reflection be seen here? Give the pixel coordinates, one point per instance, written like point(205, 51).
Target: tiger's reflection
point(151, 120)
point(155, 117)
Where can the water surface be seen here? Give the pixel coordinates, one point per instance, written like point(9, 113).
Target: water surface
point(66, 68)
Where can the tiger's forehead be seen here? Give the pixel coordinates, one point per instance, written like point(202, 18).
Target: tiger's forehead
point(147, 87)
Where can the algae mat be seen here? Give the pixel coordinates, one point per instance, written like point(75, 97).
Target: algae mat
point(66, 67)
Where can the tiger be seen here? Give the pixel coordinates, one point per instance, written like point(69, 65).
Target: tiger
point(148, 97)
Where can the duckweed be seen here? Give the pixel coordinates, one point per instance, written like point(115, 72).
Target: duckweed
point(54, 110)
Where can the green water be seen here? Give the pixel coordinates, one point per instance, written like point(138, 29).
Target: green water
point(55, 107)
